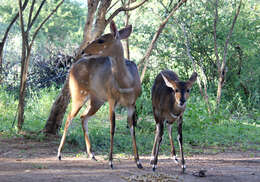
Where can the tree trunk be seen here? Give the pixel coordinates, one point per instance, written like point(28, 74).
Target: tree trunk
point(58, 110)
point(221, 80)
point(127, 17)
point(240, 57)
point(1, 60)
point(22, 91)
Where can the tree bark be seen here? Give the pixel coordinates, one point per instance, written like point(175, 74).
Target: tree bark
point(1, 60)
point(22, 91)
point(127, 17)
point(58, 110)
point(240, 57)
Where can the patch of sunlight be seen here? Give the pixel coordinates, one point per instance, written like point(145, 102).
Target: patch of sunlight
point(251, 124)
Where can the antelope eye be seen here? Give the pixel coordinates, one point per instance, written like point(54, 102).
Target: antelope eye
point(176, 90)
point(188, 90)
point(101, 41)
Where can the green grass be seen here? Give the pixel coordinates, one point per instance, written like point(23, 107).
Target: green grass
point(201, 132)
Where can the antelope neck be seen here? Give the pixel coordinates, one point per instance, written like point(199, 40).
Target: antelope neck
point(176, 111)
point(174, 116)
point(121, 72)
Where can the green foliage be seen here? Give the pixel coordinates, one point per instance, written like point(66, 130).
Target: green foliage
point(36, 111)
point(201, 131)
point(61, 33)
point(243, 75)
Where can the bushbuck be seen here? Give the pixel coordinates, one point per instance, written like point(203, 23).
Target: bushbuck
point(103, 75)
point(169, 96)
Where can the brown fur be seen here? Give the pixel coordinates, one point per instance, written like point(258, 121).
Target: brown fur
point(169, 96)
point(104, 75)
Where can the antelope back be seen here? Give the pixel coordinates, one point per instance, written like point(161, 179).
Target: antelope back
point(168, 91)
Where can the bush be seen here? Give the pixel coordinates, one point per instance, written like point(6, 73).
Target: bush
point(42, 72)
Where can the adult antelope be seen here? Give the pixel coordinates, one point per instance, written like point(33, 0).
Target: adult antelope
point(104, 75)
point(169, 96)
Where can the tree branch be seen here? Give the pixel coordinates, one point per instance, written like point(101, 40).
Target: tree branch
point(215, 35)
point(35, 16)
point(44, 21)
point(92, 6)
point(222, 71)
point(229, 36)
point(12, 22)
point(30, 14)
point(24, 37)
point(187, 44)
point(123, 9)
point(144, 60)
point(100, 23)
point(112, 6)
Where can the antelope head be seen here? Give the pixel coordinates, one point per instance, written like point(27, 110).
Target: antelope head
point(109, 44)
point(181, 89)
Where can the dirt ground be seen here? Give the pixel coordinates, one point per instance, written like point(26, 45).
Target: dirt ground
point(26, 160)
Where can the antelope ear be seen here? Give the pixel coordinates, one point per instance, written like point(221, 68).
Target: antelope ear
point(192, 79)
point(169, 83)
point(125, 32)
point(113, 30)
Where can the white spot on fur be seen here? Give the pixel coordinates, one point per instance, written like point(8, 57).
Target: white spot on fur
point(181, 106)
point(138, 162)
point(92, 56)
point(92, 155)
point(175, 159)
point(110, 163)
point(125, 90)
point(174, 116)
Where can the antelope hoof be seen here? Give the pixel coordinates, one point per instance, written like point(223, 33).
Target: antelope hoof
point(175, 160)
point(183, 168)
point(111, 165)
point(59, 157)
point(139, 165)
point(152, 160)
point(154, 167)
point(92, 156)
